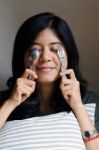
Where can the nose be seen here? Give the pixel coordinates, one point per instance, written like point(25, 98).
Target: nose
point(45, 55)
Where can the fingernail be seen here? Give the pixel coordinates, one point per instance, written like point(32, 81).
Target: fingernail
point(36, 76)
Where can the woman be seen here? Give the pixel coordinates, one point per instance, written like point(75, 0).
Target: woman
point(47, 93)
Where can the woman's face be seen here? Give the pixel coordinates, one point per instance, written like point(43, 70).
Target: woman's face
point(47, 65)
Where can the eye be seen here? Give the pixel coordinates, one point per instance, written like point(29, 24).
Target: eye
point(55, 50)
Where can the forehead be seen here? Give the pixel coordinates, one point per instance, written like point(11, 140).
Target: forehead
point(47, 36)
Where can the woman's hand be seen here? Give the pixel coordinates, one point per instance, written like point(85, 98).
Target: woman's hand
point(23, 87)
point(71, 89)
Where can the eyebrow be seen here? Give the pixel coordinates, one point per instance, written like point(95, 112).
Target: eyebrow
point(52, 43)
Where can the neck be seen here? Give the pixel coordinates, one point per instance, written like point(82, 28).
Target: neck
point(46, 93)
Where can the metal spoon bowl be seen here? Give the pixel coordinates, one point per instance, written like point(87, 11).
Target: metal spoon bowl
point(34, 54)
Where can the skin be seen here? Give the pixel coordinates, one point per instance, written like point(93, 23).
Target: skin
point(47, 41)
point(46, 70)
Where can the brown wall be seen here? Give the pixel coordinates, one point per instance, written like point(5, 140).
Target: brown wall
point(82, 17)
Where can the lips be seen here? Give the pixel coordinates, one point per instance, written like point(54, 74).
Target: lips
point(45, 68)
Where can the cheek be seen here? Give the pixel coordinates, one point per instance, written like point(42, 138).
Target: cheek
point(57, 62)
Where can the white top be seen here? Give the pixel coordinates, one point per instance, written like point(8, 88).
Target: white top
point(58, 131)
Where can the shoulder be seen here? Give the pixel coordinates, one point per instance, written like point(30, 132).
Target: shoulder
point(91, 97)
point(91, 101)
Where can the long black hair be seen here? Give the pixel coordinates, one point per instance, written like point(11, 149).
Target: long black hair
point(27, 33)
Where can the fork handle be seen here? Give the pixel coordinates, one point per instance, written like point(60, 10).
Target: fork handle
point(62, 68)
point(64, 76)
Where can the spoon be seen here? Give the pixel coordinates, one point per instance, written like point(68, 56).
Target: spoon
point(33, 55)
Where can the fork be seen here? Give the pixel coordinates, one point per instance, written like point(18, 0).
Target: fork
point(61, 56)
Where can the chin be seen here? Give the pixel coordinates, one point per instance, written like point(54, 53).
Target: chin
point(46, 79)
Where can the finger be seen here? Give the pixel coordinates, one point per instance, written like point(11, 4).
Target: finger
point(29, 72)
point(65, 82)
point(66, 88)
point(28, 82)
point(26, 90)
point(70, 73)
point(67, 93)
point(23, 81)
